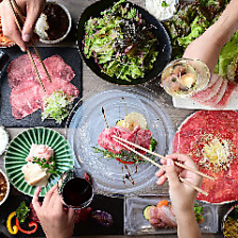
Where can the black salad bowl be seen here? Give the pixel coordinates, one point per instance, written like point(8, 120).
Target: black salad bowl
point(163, 46)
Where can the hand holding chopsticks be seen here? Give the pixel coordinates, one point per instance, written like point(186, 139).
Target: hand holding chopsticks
point(17, 15)
point(121, 140)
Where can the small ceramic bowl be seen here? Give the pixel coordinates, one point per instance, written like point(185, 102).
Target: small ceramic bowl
point(4, 137)
point(55, 41)
point(8, 187)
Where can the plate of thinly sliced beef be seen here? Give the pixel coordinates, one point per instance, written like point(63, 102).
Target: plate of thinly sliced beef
point(219, 94)
point(22, 96)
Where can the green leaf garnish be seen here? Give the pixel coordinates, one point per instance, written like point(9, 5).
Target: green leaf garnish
point(164, 4)
point(126, 156)
point(44, 165)
point(22, 212)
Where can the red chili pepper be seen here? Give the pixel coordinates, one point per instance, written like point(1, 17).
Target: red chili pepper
point(125, 162)
point(31, 224)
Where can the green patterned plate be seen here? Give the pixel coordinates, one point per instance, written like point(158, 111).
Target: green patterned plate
point(19, 148)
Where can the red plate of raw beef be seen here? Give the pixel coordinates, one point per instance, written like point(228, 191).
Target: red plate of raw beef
point(197, 133)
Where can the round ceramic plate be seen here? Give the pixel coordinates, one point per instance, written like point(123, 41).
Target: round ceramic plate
point(19, 148)
point(215, 124)
point(88, 122)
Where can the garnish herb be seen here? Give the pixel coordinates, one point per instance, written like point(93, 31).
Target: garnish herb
point(198, 210)
point(164, 4)
point(126, 156)
point(57, 106)
point(44, 165)
point(153, 144)
point(22, 212)
point(123, 155)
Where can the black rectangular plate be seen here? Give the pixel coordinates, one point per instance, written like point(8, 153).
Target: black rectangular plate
point(70, 55)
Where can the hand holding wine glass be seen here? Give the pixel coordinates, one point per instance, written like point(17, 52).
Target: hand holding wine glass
point(55, 220)
point(76, 188)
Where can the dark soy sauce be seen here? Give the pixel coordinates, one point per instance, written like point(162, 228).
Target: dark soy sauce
point(77, 192)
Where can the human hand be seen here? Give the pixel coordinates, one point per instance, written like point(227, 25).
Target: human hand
point(29, 8)
point(181, 195)
point(207, 47)
point(54, 219)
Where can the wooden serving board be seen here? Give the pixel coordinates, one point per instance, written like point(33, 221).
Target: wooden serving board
point(70, 55)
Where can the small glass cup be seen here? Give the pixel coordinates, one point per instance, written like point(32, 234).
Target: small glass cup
point(184, 77)
point(76, 189)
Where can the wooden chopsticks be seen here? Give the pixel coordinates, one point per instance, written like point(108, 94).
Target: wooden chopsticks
point(32, 42)
point(162, 157)
point(16, 15)
point(121, 140)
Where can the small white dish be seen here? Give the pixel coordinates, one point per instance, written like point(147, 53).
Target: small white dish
point(4, 139)
point(8, 187)
point(160, 12)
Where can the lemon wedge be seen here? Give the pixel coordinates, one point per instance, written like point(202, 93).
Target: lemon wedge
point(132, 120)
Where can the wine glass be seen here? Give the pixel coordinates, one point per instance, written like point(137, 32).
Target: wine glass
point(184, 77)
point(76, 189)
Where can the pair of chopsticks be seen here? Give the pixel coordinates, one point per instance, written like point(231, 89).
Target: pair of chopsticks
point(17, 14)
point(121, 140)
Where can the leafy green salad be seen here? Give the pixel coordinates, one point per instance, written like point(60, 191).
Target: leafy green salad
point(121, 42)
point(192, 20)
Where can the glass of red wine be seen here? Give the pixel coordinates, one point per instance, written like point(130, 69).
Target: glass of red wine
point(76, 188)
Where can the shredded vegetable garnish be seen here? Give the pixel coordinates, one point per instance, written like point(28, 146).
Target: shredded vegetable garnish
point(57, 106)
point(217, 153)
point(121, 42)
point(230, 227)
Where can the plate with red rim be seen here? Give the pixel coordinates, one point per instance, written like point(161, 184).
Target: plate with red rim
point(194, 133)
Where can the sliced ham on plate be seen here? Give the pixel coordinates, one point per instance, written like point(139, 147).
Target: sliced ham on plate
point(217, 94)
point(162, 217)
point(209, 92)
point(226, 97)
point(215, 99)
